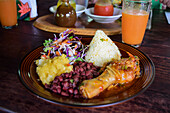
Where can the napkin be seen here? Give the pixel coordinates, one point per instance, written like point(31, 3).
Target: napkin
point(167, 14)
point(27, 9)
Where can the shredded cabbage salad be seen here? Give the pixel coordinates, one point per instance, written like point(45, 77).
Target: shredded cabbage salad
point(67, 43)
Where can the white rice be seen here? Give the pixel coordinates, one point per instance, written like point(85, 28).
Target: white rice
point(102, 50)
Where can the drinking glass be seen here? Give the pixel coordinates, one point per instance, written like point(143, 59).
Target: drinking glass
point(135, 15)
point(8, 13)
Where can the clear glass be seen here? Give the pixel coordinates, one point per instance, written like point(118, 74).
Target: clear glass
point(82, 2)
point(8, 13)
point(149, 24)
point(135, 15)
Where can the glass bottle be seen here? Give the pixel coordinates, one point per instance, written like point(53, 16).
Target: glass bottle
point(103, 8)
point(65, 15)
point(72, 3)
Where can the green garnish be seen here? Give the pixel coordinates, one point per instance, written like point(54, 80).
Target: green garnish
point(46, 49)
point(102, 39)
point(47, 42)
point(79, 59)
point(70, 37)
point(126, 67)
point(71, 80)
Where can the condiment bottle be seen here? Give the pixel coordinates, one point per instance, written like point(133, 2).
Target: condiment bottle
point(72, 3)
point(103, 8)
point(65, 15)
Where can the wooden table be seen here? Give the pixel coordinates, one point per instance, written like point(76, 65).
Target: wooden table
point(17, 42)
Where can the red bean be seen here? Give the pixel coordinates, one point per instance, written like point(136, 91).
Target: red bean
point(81, 69)
point(66, 84)
point(64, 93)
point(83, 64)
point(76, 79)
point(47, 86)
point(83, 74)
point(88, 73)
point(74, 84)
point(70, 90)
point(60, 78)
point(59, 90)
point(67, 75)
point(65, 88)
point(76, 68)
point(75, 91)
point(94, 68)
point(90, 77)
point(70, 75)
point(88, 66)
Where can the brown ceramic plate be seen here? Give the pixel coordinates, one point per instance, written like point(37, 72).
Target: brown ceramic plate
point(29, 78)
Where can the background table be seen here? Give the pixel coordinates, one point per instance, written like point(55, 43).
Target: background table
point(17, 42)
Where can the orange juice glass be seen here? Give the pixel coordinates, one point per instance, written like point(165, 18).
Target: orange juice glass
point(8, 13)
point(135, 15)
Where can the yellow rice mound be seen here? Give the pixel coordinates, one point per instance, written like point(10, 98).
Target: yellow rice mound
point(102, 50)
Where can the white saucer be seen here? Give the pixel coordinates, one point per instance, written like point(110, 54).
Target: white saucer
point(104, 19)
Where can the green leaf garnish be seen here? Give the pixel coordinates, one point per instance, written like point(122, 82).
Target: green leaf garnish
point(46, 49)
point(102, 39)
point(126, 67)
point(71, 80)
point(79, 59)
point(47, 42)
point(70, 37)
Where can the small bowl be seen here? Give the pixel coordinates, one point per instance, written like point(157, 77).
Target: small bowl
point(104, 19)
point(79, 9)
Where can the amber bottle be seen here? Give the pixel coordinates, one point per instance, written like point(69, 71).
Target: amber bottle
point(65, 15)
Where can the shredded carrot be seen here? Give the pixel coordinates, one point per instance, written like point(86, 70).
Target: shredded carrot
point(49, 52)
point(57, 53)
point(62, 35)
point(68, 65)
point(65, 41)
point(55, 41)
point(130, 55)
point(75, 46)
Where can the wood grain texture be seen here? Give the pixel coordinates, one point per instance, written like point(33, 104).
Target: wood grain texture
point(17, 42)
point(82, 26)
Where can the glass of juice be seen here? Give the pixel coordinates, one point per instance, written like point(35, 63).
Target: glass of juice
point(8, 13)
point(135, 15)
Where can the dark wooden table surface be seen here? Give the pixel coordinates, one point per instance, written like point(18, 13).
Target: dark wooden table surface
point(17, 42)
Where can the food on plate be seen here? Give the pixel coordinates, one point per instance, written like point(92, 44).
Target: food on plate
point(49, 68)
point(119, 71)
point(58, 56)
point(68, 83)
point(67, 44)
point(102, 50)
point(70, 68)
